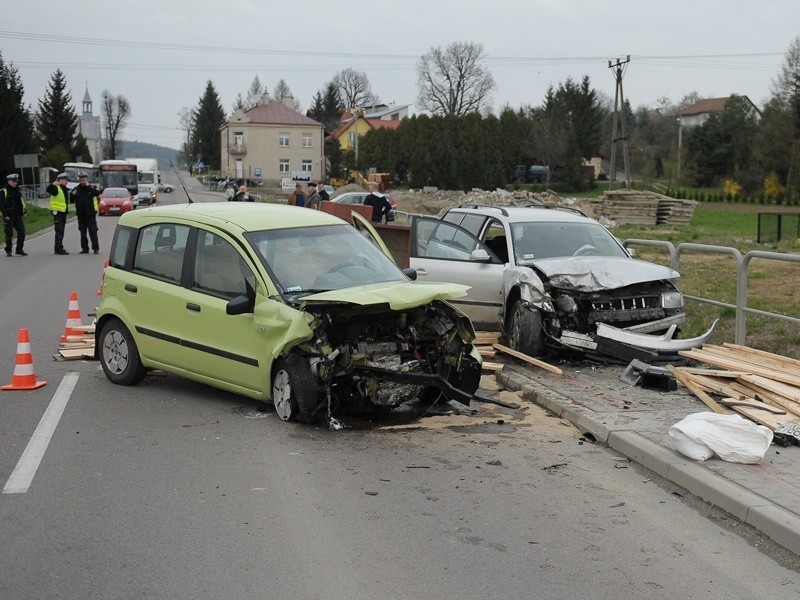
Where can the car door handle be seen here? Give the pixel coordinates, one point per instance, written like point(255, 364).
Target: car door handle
point(422, 271)
point(193, 307)
point(129, 287)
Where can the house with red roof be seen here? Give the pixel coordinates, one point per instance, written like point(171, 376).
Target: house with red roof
point(272, 143)
point(699, 112)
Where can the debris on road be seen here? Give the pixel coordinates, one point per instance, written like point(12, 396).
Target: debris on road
point(79, 346)
point(759, 385)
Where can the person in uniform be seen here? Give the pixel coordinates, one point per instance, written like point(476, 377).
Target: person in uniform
point(84, 197)
point(58, 206)
point(12, 207)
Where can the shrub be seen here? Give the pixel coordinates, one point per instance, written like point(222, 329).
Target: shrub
point(731, 189)
point(772, 186)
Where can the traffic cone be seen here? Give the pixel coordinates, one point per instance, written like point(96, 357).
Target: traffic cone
point(24, 377)
point(73, 318)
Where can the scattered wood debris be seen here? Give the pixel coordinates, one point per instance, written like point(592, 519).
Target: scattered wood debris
point(77, 347)
point(483, 342)
point(759, 385)
point(529, 359)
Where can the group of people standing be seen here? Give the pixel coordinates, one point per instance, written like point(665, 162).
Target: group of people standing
point(83, 196)
point(312, 197)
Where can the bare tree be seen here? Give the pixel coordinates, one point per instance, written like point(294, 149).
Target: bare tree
point(453, 81)
point(548, 141)
point(186, 121)
point(284, 95)
point(115, 110)
point(354, 88)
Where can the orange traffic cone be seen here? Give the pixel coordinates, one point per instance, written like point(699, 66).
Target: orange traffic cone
point(24, 377)
point(73, 318)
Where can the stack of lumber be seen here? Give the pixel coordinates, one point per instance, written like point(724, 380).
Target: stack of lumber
point(487, 343)
point(77, 347)
point(762, 386)
point(674, 211)
point(645, 208)
point(483, 342)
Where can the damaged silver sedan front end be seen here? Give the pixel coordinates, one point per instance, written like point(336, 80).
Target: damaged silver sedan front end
point(593, 303)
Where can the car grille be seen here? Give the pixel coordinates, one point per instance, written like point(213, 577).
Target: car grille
point(624, 308)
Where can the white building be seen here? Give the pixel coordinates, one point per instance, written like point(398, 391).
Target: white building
point(89, 127)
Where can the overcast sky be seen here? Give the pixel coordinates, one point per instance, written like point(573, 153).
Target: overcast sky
point(160, 54)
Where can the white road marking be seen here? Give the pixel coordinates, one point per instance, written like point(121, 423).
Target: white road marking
point(22, 475)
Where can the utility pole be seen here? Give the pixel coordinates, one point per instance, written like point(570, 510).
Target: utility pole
point(619, 117)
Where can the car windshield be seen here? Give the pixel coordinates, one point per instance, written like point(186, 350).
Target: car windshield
point(116, 193)
point(144, 188)
point(533, 241)
point(306, 260)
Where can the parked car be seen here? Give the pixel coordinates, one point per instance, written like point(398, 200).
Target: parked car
point(252, 299)
point(146, 194)
point(550, 278)
point(166, 187)
point(114, 201)
point(358, 198)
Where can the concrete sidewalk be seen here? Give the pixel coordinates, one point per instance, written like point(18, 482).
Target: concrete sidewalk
point(635, 422)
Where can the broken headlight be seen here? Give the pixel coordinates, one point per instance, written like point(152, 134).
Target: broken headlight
point(672, 300)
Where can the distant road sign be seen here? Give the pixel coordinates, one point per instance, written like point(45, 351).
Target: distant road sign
point(257, 172)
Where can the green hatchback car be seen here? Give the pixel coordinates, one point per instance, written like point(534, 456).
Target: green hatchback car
point(280, 304)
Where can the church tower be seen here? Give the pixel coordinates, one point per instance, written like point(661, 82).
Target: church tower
point(89, 127)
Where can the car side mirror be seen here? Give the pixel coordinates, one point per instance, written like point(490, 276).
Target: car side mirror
point(411, 273)
point(479, 255)
point(240, 305)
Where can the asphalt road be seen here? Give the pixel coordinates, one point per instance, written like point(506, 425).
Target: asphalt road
point(172, 489)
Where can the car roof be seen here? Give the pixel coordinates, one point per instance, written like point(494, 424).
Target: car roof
point(247, 216)
point(524, 214)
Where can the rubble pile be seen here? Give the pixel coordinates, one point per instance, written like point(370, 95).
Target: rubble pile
point(616, 207)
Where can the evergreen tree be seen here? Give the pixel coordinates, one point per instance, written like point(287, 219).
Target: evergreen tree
point(80, 150)
point(326, 108)
point(56, 119)
point(207, 119)
point(16, 124)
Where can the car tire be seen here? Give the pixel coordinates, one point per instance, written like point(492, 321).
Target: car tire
point(119, 355)
point(525, 329)
point(294, 392)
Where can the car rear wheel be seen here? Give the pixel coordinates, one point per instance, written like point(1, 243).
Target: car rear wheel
point(525, 329)
point(294, 391)
point(119, 355)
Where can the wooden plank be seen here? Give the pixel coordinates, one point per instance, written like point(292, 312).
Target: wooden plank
point(713, 372)
point(529, 359)
point(686, 380)
point(76, 354)
point(764, 354)
point(789, 392)
point(737, 365)
point(764, 418)
point(773, 399)
point(486, 337)
point(749, 356)
point(487, 351)
point(492, 366)
point(709, 384)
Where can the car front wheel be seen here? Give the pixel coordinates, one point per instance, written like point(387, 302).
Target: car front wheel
point(525, 329)
point(294, 391)
point(119, 355)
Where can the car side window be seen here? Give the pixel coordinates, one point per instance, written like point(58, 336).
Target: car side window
point(437, 239)
point(218, 268)
point(160, 251)
point(119, 250)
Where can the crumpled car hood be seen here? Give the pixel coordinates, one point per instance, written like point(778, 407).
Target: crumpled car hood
point(597, 273)
point(399, 295)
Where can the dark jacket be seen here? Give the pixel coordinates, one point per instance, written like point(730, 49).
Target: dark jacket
point(242, 198)
point(83, 197)
point(323, 194)
point(380, 206)
point(11, 204)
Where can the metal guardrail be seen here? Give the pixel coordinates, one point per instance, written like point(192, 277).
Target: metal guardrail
point(742, 264)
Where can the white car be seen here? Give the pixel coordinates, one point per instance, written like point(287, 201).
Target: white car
point(550, 278)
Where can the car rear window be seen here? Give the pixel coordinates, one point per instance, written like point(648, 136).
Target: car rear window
point(160, 251)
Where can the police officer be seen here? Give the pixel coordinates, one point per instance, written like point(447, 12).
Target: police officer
point(13, 208)
point(58, 206)
point(84, 197)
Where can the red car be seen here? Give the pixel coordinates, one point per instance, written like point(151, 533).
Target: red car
point(115, 201)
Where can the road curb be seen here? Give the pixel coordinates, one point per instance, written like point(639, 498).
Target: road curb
point(774, 521)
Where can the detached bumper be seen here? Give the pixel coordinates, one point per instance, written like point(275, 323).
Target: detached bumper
point(660, 344)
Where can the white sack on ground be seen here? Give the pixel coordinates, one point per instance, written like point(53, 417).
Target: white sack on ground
point(731, 437)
